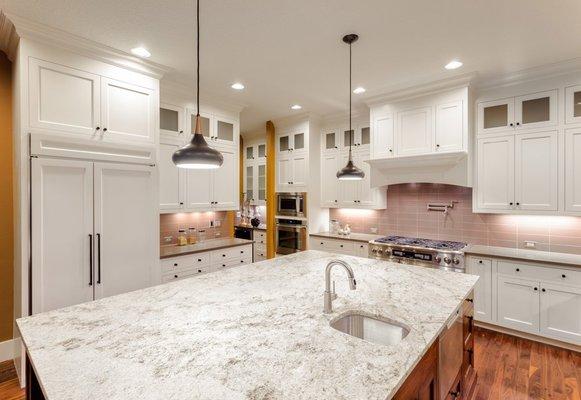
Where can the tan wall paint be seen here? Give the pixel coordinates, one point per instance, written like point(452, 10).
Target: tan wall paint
point(6, 216)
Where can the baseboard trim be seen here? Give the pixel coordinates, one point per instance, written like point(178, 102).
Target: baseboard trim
point(529, 336)
point(7, 350)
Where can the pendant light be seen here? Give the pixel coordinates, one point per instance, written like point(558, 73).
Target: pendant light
point(197, 154)
point(350, 172)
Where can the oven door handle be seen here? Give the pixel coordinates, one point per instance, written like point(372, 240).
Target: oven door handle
point(293, 228)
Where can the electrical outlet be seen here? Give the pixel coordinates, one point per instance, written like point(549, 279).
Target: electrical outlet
point(167, 239)
point(374, 230)
point(218, 223)
point(211, 225)
point(530, 244)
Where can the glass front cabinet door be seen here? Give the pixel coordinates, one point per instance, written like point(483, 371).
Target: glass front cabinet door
point(573, 104)
point(536, 110)
point(495, 116)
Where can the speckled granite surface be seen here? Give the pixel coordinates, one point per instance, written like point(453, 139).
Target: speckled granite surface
point(253, 332)
point(357, 237)
point(206, 245)
point(572, 260)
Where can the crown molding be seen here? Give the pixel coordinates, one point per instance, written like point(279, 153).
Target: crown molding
point(187, 91)
point(8, 37)
point(44, 34)
point(545, 71)
point(422, 89)
point(286, 121)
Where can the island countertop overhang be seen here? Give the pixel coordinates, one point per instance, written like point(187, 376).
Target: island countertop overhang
point(252, 330)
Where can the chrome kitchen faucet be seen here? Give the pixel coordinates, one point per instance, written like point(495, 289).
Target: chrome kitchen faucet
point(330, 294)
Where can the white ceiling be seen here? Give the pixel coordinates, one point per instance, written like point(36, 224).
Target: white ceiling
point(289, 51)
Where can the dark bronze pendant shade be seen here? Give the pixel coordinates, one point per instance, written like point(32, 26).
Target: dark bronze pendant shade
point(350, 172)
point(197, 154)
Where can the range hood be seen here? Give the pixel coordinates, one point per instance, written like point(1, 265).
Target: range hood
point(452, 168)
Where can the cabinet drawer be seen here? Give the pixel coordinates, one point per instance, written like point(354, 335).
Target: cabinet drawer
point(565, 276)
point(177, 276)
point(259, 247)
point(259, 253)
point(333, 245)
point(260, 237)
point(174, 264)
point(218, 256)
point(246, 259)
point(258, 258)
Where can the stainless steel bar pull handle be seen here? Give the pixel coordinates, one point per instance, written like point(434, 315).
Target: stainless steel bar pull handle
point(90, 259)
point(98, 258)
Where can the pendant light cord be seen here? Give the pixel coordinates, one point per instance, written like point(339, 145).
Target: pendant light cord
point(198, 58)
point(350, 130)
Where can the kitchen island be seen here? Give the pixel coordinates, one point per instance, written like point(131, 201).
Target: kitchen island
point(253, 332)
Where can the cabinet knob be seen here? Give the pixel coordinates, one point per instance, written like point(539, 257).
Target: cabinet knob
point(175, 264)
point(543, 290)
point(535, 288)
point(510, 203)
point(518, 123)
point(563, 276)
point(518, 270)
point(175, 276)
point(181, 203)
point(98, 128)
point(181, 132)
point(199, 260)
point(390, 150)
point(479, 261)
point(518, 204)
point(341, 245)
point(104, 129)
point(511, 124)
point(437, 145)
point(223, 265)
point(199, 270)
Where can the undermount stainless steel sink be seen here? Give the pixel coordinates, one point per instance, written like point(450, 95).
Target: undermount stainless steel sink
point(370, 328)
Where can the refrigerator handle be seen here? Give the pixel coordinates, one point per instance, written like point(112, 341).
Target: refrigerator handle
point(98, 258)
point(90, 259)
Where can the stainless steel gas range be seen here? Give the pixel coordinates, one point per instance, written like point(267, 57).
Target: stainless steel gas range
point(423, 252)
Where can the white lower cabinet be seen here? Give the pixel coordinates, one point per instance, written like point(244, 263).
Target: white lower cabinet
point(561, 312)
point(180, 267)
point(259, 245)
point(93, 231)
point(518, 303)
point(540, 299)
point(483, 289)
point(341, 246)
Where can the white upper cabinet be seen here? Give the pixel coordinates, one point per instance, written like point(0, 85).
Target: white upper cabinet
point(291, 142)
point(63, 99)
point(573, 170)
point(198, 189)
point(536, 174)
point(360, 138)
point(329, 181)
point(535, 110)
point(171, 120)
point(330, 141)
point(254, 170)
point(414, 131)
point(225, 180)
point(496, 116)
point(171, 178)
point(573, 104)
point(225, 130)
point(73, 101)
point(292, 161)
point(206, 125)
point(449, 127)
point(382, 136)
point(128, 112)
point(495, 176)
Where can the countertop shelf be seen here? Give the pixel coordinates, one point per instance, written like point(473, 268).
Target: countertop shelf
point(563, 259)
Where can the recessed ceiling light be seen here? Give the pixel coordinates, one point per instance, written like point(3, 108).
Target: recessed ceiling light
point(237, 86)
point(296, 107)
point(453, 64)
point(359, 90)
point(141, 52)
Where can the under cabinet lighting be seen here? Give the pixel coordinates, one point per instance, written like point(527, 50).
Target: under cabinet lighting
point(141, 52)
point(296, 107)
point(359, 90)
point(237, 86)
point(453, 64)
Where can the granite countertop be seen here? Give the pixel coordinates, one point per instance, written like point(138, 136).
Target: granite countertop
point(205, 245)
point(255, 332)
point(357, 237)
point(526, 255)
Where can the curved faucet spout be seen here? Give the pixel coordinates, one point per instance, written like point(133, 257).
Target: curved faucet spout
point(329, 294)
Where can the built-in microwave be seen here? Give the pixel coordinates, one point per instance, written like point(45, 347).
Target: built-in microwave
point(291, 204)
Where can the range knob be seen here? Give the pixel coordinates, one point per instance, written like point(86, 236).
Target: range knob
point(447, 260)
point(456, 261)
point(374, 250)
point(438, 259)
point(379, 251)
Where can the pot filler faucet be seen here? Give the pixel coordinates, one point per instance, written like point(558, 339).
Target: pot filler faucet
point(330, 294)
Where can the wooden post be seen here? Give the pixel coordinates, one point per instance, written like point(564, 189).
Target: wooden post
point(270, 190)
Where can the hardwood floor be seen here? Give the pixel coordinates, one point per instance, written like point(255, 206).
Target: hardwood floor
point(509, 368)
point(519, 369)
point(9, 386)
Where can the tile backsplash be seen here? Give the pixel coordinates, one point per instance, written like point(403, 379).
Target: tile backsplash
point(169, 224)
point(407, 215)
